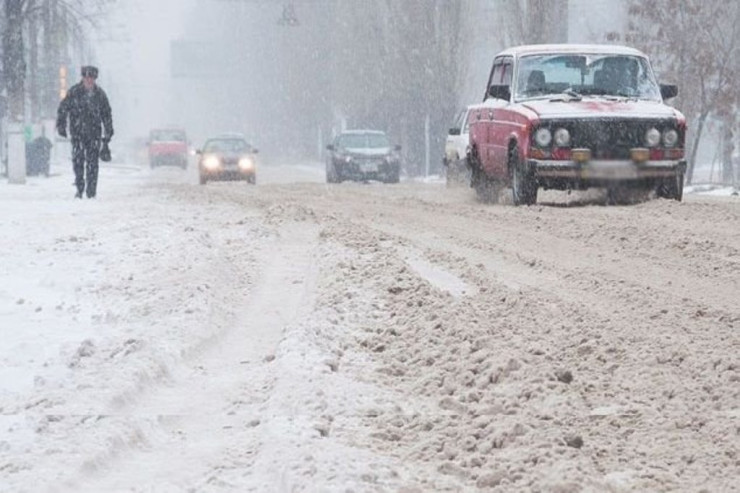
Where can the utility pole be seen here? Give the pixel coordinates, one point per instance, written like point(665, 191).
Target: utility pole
point(14, 62)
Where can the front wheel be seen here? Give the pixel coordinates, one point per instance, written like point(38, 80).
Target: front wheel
point(523, 184)
point(394, 176)
point(203, 180)
point(672, 188)
point(331, 174)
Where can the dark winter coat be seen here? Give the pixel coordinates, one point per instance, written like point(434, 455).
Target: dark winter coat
point(89, 114)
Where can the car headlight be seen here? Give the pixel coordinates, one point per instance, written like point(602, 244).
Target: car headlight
point(246, 164)
point(347, 159)
point(670, 138)
point(211, 162)
point(652, 137)
point(543, 137)
point(562, 137)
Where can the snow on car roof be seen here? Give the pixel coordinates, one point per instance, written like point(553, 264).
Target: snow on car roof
point(570, 48)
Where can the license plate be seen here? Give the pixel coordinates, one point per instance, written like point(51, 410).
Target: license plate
point(369, 167)
point(609, 172)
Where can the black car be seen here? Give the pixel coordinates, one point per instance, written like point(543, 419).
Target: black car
point(363, 155)
point(228, 157)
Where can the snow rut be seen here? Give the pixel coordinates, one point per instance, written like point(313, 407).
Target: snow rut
point(203, 419)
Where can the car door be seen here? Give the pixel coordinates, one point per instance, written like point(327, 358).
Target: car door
point(451, 142)
point(493, 152)
point(500, 126)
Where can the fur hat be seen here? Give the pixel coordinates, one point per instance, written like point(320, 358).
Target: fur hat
point(89, 71)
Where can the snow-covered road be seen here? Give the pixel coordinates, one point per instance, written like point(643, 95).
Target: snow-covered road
point(295, 336)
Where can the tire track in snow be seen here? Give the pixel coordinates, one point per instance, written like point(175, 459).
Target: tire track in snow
point(201, 421)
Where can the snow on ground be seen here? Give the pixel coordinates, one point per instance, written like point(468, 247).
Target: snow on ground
point(295, 336)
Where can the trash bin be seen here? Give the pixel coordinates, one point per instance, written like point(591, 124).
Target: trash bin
point(38, 156)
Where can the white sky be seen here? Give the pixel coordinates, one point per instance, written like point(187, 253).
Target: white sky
point(136, 74)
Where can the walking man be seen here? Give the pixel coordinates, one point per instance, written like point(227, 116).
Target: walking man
point(87, 109)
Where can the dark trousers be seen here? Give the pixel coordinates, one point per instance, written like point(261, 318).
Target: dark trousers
point(85, 161)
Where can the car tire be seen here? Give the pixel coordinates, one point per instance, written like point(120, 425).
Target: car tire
point(621, 194)
point(331, 175)
point(523, 185)
point(394, 176)
point(486, 188)
point(252, 180)
point(458, 173)
point(672, 188)
point(451, 178)
point(203, 180)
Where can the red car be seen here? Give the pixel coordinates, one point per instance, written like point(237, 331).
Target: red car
point(572, 117)
point(168, 146)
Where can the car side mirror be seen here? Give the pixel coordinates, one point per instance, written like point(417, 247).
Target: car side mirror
point(198, 152)
point(668, 91)
point(255, 151)
point(500, 92)
point(454, 131)
point(330, 147)
point(398, 147)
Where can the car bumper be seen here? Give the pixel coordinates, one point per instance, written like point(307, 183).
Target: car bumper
point(367, 172)
point(169, 159)
point(227, 174)
point(605, 171)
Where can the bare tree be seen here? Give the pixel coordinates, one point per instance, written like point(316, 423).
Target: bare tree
point(62, 24)
point(399, 64)
point(696, 43)
point(532, 21)
point(14, 61)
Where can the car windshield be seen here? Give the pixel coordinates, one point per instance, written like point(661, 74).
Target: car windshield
point(226, 145)
point(168, 136)
point(542, 76)
point(363, 141)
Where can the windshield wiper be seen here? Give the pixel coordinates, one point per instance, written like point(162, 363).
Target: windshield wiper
point(573, 93)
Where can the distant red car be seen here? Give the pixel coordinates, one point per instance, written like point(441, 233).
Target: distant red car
point(570, 117)
point(168, 147)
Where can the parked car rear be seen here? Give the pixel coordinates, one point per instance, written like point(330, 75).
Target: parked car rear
point(168, 147)
point(457, 171)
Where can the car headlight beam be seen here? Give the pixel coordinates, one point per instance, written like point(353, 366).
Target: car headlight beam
point(246, 164)
point(211, 162)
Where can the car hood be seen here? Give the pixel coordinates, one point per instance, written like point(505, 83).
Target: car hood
point(368, 151)
point(600, 108)
point(228, 155)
